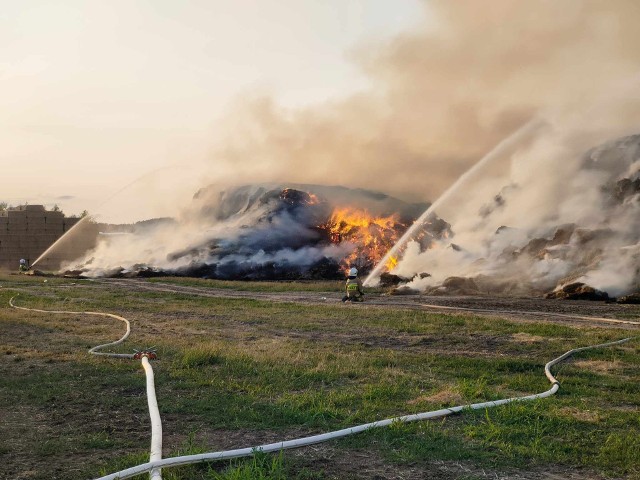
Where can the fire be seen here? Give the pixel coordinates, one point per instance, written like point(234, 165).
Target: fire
point(391, 263)
point(293, 196)
point(372, 236)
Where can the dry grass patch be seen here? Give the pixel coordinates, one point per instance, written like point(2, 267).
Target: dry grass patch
point(600, 366)
point(244, 371)
point(522, 337)
point(582, 415)
point(446, 396)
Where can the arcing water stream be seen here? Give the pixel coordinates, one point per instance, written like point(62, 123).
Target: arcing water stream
point(86, 218)
point(82, 221)
point(504, 147)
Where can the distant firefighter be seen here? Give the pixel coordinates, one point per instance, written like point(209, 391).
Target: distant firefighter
point(23, 265)
point(353, 287)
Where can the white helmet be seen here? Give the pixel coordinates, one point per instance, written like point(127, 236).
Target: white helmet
point(353, 272)
point(23, 261)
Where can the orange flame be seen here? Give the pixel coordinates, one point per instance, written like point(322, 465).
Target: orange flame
point(391, 263)
point(372, 236)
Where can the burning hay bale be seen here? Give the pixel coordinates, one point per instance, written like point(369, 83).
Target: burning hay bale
point(404, 290)
point(373, 236)
point(390, 280)
point(633, 298)
point(265, 232)
point(456, 286)
point(575, 234)
point(578, 291)
point(583, 241)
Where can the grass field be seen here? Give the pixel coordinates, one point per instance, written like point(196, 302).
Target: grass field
point(237, 372)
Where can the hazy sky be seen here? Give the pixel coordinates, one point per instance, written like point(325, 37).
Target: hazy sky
point(96, 93)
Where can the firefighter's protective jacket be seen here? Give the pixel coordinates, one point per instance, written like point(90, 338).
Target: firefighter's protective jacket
point(354, 287)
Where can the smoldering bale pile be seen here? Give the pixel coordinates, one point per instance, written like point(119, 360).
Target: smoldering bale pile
point(585, 244)
point(594, 260)
point(294, 232)
point(258, 232)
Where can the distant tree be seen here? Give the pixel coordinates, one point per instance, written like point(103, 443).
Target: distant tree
point(85, 213)
point(56, 208)
point(3, 206)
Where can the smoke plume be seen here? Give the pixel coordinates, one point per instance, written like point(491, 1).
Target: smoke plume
point(561, 213)
point(443, 95)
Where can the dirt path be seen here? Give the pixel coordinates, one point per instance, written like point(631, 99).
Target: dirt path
point(575, 312)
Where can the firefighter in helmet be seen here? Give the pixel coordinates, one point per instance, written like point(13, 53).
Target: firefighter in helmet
point(23, 265)
point(353, 287)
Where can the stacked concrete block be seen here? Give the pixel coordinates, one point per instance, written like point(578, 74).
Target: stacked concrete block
point(12, 249)
point(33, 208)
point(54, 222)
point(28, 231)
point(35, 220)
point(17, 221)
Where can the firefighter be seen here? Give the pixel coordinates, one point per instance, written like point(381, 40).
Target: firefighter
point(23, 265)
point(353, 287)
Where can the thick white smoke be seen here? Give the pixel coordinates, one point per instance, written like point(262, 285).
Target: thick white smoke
point(547, 214)
point(247, 232)
point(439, 100)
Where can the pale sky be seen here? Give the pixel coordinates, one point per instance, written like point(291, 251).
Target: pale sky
point(94, 94)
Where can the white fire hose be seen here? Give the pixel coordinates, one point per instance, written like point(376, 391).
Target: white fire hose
point(314, 439)
point(156, 422)
point(156, 462)
point(94, 350)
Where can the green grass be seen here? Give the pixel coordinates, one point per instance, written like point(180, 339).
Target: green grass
point(273, 286)
point(256, 286)
point(254, 370)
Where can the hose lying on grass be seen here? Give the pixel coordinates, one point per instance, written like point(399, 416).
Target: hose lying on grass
point(156, 463)
point(156, 423)
point(530, 312)
point(94, 350)
point(314, 439)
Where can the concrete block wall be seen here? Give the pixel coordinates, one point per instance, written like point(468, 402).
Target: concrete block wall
point(28, 231)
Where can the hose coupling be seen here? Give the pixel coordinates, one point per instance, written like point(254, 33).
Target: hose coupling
point(150, 354)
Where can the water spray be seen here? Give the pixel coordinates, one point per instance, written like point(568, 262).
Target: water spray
point(65, 235)
point(89, 217)
point(505, 146)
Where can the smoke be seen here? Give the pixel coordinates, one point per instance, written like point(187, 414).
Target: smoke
point(564, 209)
point(441, 96)
point(250, 226)
point(252, 232)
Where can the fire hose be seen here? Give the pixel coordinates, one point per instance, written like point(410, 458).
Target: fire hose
point(529, 312)
point(314, 439)
point(156, 462)
point(143, 356)
point(94, 350)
